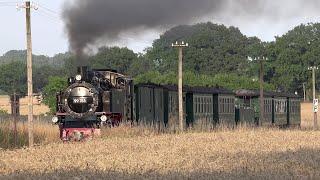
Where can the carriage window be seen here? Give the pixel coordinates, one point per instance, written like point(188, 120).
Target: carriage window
point(199, 104)
point(202, 105)
point(196, 105)
point(207, 105)
point(227, 105)
point(139, 99)
point(160, 101)
point(198, 109)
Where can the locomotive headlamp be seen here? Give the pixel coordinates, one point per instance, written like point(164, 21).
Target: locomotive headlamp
point(103, 118)
point(78, 77)
point(55, 119)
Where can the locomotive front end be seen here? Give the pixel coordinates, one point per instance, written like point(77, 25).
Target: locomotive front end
point(76, 107)
point(93, 98)
point(81, 100)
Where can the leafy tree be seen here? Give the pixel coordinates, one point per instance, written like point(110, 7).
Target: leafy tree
point(218, 55)
point(140, 66)
point(116, 58)
point(213, 49)
point(70, 66)
point(41, 74)
point(291, 56)
point(13, 78)
point(54, 85)
point(38, 60)
point(229, 81)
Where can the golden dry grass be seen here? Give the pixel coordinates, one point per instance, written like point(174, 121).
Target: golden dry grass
point(44, 133)
point(307, 115)
point(38, 109)
point(126, 153)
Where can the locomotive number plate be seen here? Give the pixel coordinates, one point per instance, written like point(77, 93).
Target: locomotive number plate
point(79, 100)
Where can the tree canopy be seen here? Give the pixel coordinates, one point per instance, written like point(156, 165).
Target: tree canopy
point(218, 56)
point(213, 49)
point(55, 84)
point(13, 78)
point(292, 54)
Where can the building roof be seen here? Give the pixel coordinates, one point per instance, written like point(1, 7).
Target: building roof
point(189, 89)
point(256, 93)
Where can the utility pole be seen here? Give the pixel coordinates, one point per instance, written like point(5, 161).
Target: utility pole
point(315, 101)
point(261, 94)
point(261, 74)
point(180, 46)
point(28, 7)
point(29, 70)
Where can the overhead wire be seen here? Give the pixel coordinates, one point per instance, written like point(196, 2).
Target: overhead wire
point(8, 3)
point(49, 10)
point(48, 13)
point(49, 17)
point(44, 7)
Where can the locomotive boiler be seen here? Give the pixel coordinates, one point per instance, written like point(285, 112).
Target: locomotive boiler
point(94, 98)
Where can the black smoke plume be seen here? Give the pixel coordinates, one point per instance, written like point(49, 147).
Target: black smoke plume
point(89, 20)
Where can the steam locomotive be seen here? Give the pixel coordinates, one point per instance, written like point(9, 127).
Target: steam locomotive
point(104, 97)
point(94, 97)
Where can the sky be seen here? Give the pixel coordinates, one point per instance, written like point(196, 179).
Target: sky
point(49, 35)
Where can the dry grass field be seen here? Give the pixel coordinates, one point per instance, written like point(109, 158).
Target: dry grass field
point(126, 153)
point(38, 109)
point(307, 115)
point(44, 133)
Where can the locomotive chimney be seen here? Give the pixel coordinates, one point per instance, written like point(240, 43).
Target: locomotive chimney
point(83, 71)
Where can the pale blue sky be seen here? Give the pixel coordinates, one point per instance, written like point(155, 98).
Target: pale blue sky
point(47, 28)
point(49, 36)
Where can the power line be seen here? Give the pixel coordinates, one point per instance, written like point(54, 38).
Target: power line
point(49, 16)
point(52, 19)
point(6, 5)
point(9, 2)
point(48, 9)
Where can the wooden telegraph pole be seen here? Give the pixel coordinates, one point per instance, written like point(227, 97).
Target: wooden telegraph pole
point(261, 94)
point(261, 118)
point(180, 46)
point(29, 72)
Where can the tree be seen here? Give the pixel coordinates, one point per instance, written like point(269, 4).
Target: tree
point(228, 81)
point(140, 66)
point(292, 54)
point(38, 60)
point(13, 78)
point(213, 49)
point(41, 75)
point(54, 85)
point(116, 58)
